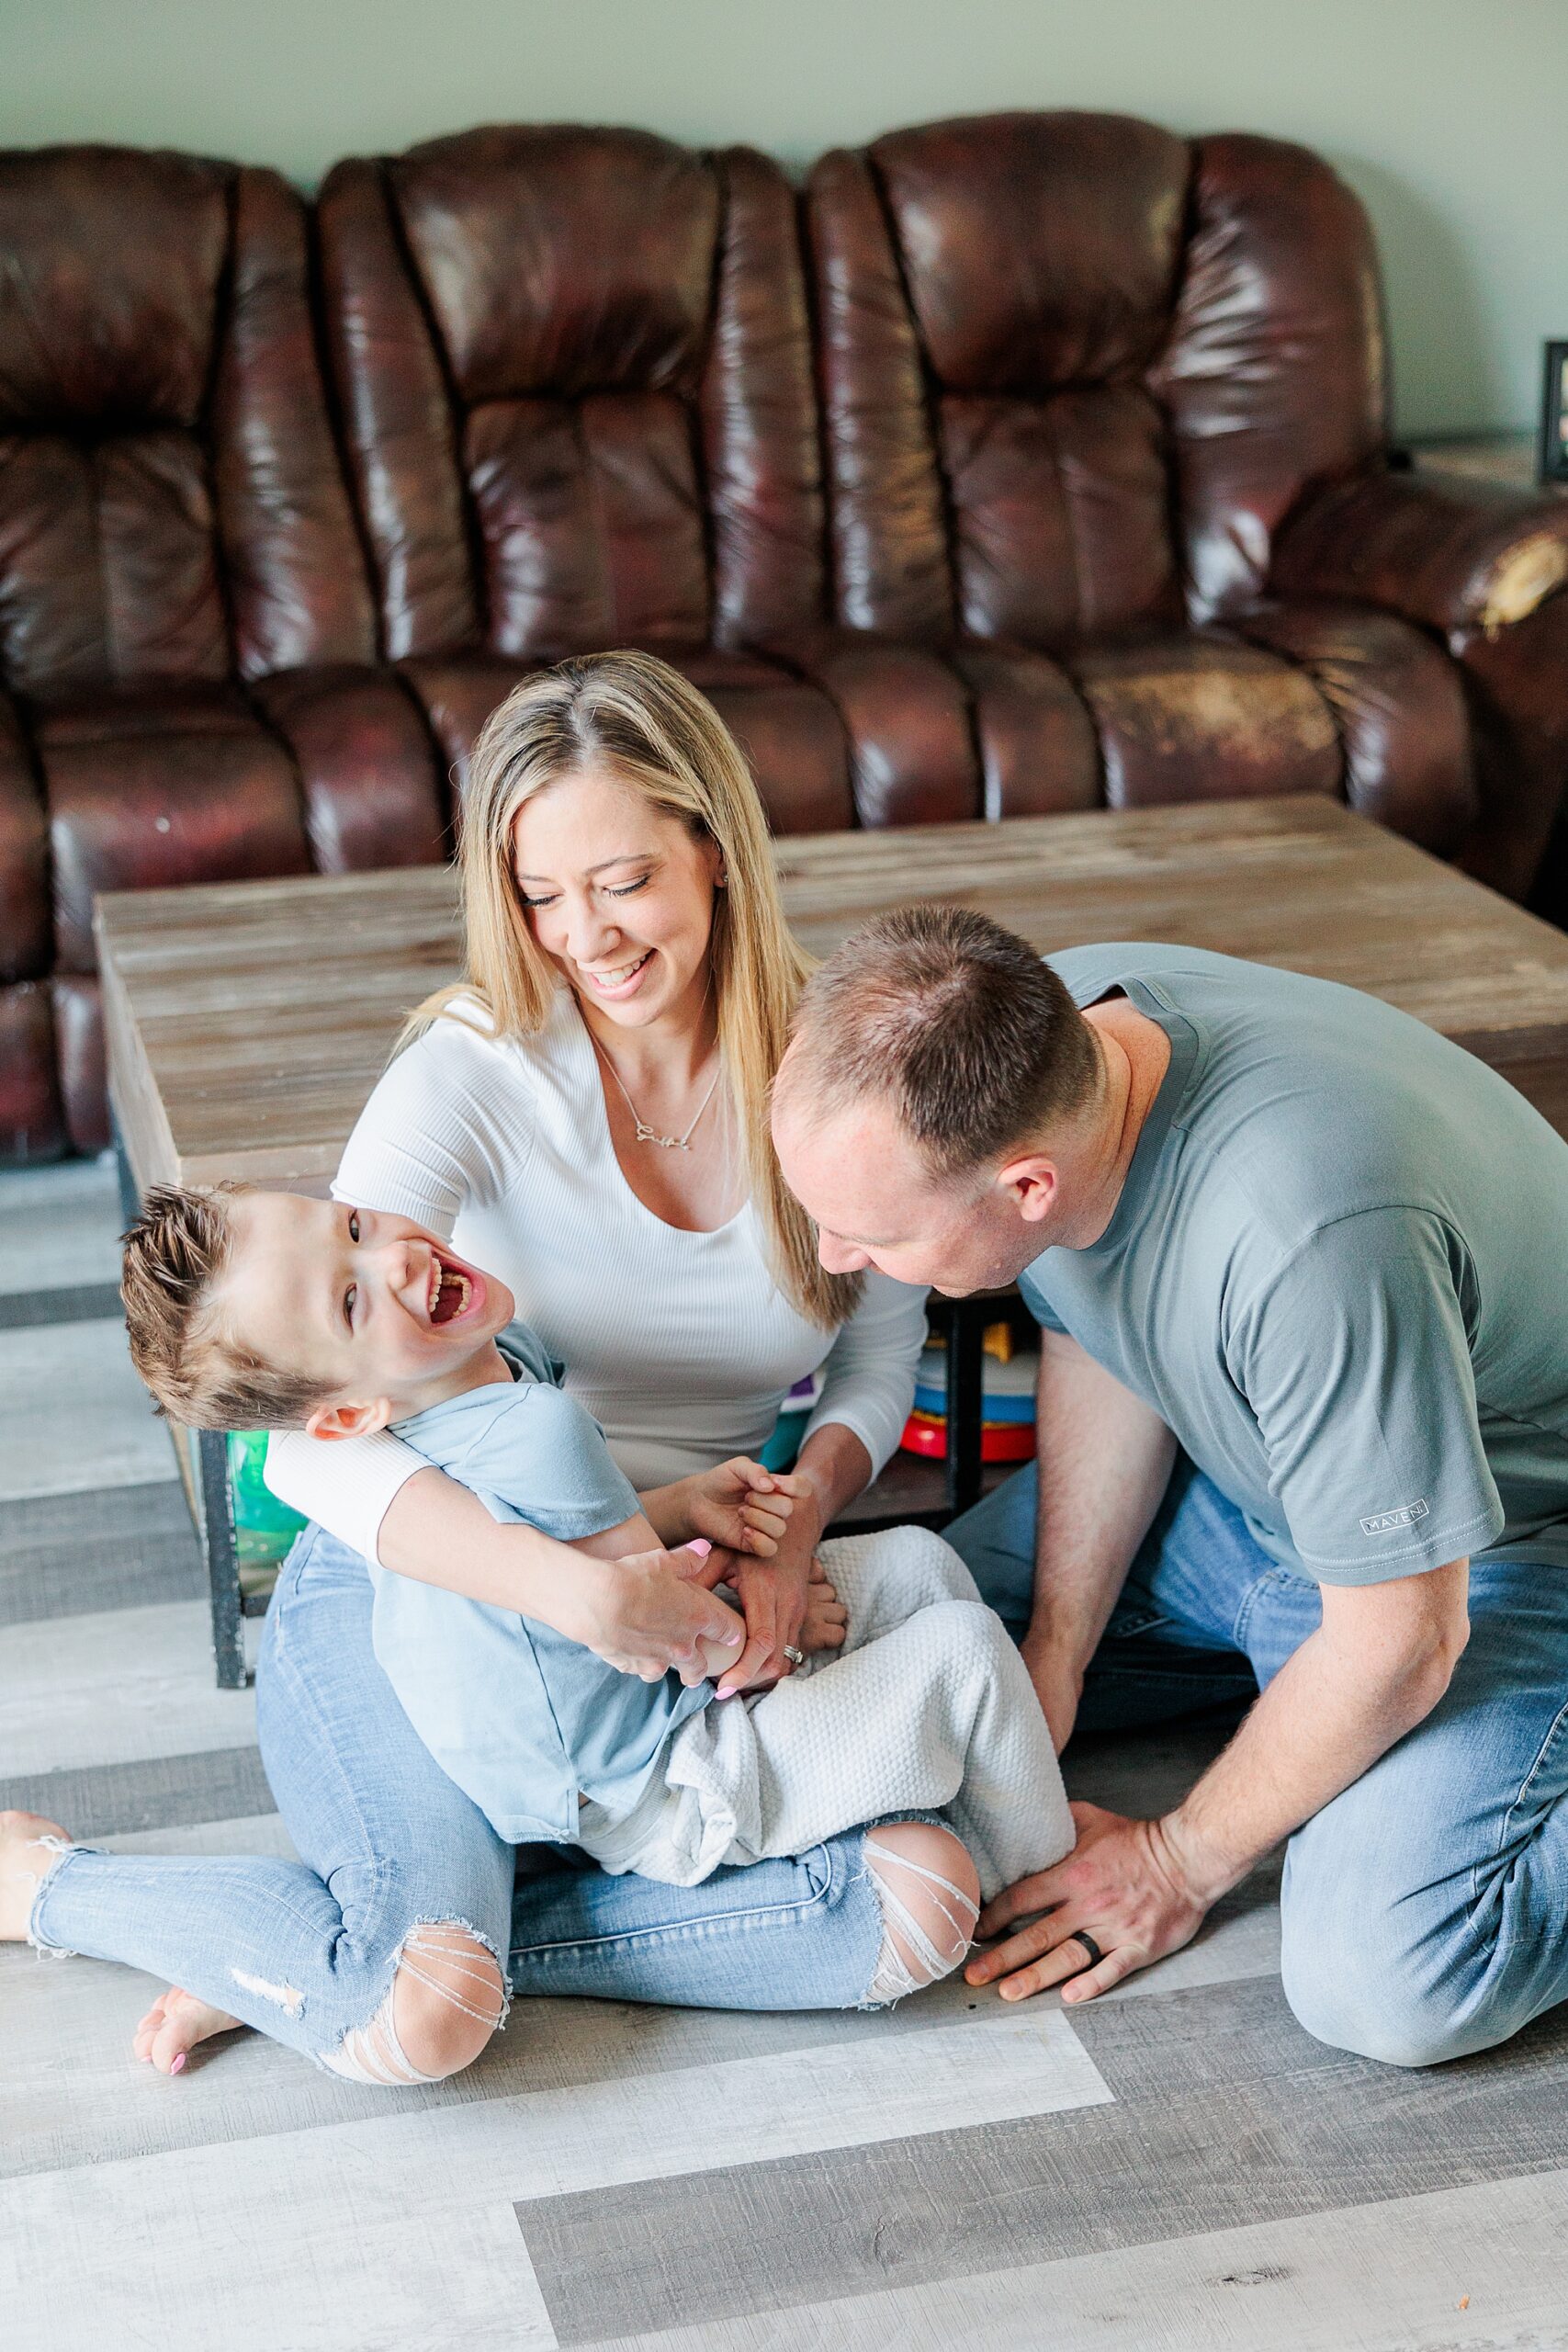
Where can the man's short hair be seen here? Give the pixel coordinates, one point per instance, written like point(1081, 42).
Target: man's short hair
point(976, 1043)
point(177, 1244)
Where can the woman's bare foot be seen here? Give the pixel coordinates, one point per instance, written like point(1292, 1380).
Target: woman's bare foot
point(176, 2021)
point(23, 1861)
point(174, 2024)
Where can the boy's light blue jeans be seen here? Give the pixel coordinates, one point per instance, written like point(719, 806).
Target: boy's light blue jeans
point(1425, 1909)
point(306, 1950)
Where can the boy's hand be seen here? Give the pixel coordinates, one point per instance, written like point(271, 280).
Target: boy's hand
point(742, 1505)
point(826, 1619)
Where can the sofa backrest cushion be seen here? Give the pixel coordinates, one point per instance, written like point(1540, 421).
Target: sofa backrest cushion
point(574, 368)
point(1075, 369)
point(171, 504)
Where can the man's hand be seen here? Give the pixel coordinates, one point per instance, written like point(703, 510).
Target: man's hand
point(1121, 1882)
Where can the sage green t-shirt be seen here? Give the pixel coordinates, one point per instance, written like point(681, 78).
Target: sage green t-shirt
point(1338, 1271)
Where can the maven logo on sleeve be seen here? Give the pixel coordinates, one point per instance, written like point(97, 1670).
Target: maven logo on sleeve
point(1386, 1522)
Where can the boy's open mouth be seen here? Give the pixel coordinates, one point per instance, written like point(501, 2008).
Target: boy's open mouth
point(454, 1291)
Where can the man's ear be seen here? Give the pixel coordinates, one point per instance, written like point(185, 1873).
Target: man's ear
point(349, 1420)
point(1030, 1184)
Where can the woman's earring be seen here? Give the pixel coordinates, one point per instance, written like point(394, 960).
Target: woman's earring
point(721, 881)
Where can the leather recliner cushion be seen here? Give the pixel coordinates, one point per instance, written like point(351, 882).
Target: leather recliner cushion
point(370, 776)
point(790, 733)
point(32, 1117)
point(1201, 717)
point(610, 441)
point(79, 1054)
point(24, 859)
point(1399, 704)
point(176, 785)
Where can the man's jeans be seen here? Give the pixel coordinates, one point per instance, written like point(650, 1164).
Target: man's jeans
point(1426, 1910)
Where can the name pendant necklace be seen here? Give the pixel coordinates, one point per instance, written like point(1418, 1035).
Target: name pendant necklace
point(645, 1134)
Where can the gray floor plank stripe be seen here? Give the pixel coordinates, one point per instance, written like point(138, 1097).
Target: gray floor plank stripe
point(106, 1547)
point(1386, 2278)
point(73, 1414)
point(1221, 2105)
point(157, 1792)
point(365, 2234)
point(118, 1686)
point(81, 1303)
point(65, 1219)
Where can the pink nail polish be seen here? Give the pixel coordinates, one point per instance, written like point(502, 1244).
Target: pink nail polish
point(179, 2064)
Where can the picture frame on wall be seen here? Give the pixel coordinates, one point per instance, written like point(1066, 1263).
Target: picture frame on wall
point(1552, 460)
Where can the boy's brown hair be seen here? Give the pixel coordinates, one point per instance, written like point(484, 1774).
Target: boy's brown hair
point(177, 1244)
point(976, 1042)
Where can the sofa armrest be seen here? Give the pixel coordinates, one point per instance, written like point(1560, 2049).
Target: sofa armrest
point(1483, 567)
point(26, 940)
point(1450, 558)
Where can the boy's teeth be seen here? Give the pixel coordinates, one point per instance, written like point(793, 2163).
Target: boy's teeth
point(462, 1286)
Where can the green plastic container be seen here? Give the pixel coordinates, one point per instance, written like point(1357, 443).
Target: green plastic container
point(264, 1528)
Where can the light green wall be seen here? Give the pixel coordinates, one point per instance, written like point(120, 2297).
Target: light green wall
point(1447, 117)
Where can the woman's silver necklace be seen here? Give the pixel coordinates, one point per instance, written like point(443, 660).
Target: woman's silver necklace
point(645, 1134)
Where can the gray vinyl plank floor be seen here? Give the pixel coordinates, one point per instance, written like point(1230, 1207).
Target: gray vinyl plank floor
point(97, 1548)
point(73, 1414)
point(59, 1227)
point(1177, 2168)
point(1482, 2268)
point(116, 1686)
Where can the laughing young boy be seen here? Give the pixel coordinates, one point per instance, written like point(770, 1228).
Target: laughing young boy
point(249, 1309)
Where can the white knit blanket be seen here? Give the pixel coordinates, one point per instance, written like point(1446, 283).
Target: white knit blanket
point(928, 1708)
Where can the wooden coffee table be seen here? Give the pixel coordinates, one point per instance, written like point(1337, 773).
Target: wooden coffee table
point(247, 1021)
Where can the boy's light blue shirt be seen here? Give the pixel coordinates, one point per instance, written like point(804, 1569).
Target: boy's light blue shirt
point(525, 1721)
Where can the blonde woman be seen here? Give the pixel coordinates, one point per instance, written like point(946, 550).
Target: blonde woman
point(587, 1115)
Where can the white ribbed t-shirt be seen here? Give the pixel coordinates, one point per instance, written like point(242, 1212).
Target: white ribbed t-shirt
point(681, 1344)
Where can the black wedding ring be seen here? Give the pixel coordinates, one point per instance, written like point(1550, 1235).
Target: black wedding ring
point(1082, 1936)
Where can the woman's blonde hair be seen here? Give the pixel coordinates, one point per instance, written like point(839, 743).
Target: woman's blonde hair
point(636, 718)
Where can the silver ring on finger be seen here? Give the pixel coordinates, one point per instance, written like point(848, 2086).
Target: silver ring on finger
point(795, 1658)
point(1082, 1936)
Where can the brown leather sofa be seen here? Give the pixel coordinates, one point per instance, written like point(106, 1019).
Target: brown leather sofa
point(1029, 462)
point(185, 633)
point(1105, 417)
point(574, 372)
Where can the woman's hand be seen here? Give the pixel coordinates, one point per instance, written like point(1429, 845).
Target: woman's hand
point(773, 1593)
point(741, 1505)
point(655, 1610)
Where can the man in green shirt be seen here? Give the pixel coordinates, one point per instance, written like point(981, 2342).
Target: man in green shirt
point(1299, 1264)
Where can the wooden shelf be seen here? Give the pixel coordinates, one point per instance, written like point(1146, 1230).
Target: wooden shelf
point(910, 1491)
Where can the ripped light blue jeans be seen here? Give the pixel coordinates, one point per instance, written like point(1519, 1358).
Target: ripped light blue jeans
point(1425, 1909)
point(306, 1950)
